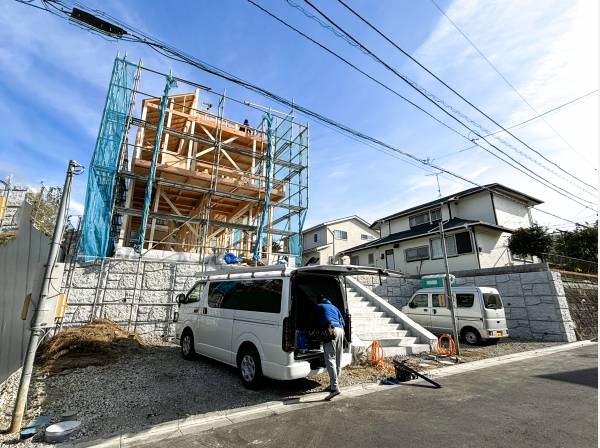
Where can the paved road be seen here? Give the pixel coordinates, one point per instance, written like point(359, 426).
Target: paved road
point(541, 402)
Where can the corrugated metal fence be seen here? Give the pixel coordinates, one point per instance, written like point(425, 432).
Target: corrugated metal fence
point(21, 260)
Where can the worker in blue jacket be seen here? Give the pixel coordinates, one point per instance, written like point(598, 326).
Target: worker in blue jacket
point(332, 320)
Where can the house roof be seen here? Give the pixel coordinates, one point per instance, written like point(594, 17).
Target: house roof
point(335, 221)
point(494, 187)
point(423, 230)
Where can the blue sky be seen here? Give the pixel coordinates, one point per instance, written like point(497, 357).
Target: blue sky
point(53, 80)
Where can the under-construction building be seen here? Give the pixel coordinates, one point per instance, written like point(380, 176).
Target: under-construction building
point(170, 173)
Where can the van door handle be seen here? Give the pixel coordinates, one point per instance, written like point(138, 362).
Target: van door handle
point(195, 310)
point(424, 309)
point(434, 311)
point(204, 310)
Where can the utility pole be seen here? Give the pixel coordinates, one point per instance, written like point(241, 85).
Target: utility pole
point(333, 244)
point(449, 290)
point(36, 330)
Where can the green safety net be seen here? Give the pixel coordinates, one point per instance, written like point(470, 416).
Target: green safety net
point(95, 230)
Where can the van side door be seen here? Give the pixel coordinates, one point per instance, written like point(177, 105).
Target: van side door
point(216, 321)
point(441, 318)
point(189, 309)
point(418, 309)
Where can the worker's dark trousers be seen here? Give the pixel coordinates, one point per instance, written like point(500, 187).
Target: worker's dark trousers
point(333, 357)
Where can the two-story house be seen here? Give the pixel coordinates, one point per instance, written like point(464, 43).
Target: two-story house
point(326, 240)
point(477, 223)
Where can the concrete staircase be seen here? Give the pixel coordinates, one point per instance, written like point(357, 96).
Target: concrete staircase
point(371, 321)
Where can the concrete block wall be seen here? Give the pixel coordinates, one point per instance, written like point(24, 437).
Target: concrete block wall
point(138, 296)
point(534, 298)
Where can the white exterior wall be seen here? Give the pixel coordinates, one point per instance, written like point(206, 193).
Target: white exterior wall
point(400, 224)
point(494, 247)
point(477, 207)
point(308, 240)
point(456, 263)
point(511, 214)
point(354, 229)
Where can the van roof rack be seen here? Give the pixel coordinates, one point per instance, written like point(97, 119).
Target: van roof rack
point(251, 269)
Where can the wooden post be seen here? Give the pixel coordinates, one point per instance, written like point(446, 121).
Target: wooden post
point(165, 142)
point(139, 138)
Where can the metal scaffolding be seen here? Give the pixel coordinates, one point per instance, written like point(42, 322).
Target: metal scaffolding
point(168, 174)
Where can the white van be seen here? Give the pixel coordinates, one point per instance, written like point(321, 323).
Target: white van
point(264, 320)
point(479, 310)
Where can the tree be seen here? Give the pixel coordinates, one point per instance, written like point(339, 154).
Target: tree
point(275, 246)
point(533, 240)
point(46, 203)
point(580, 243)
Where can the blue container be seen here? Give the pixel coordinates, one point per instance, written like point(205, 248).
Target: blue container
point(301, 340)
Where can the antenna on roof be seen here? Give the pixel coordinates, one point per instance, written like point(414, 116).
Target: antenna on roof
point(437, 178)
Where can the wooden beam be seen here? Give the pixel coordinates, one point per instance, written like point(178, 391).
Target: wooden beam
point(168, 201)
point(230, 159)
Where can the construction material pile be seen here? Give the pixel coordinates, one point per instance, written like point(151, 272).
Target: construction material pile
point(95, 344)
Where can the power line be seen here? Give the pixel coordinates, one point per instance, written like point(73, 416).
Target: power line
point(491, 64)
point(178, 55)
point(374, 28)
point(559, 217)
point(422, 91)
point(547, 183)
point(529, 120)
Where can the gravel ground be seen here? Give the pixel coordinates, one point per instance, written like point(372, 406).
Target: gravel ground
point(154, 385)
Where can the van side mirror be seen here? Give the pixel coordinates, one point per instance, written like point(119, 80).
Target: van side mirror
point(180, 298)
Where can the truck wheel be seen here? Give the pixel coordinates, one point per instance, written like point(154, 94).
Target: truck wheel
point(248, 361)
point(187, 345)
point(471, 336)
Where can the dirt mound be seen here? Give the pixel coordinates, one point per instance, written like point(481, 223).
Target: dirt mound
point(97, 343)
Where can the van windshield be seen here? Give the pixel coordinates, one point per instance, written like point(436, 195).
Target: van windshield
point(492, 301)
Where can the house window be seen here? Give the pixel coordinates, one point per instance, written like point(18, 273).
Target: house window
point(354, 260)
point(364, 236)
point(418, 220)
point(463, 243)
point(436, 215)
point(428, 217)
point(316, 238)
point(457, 244)
point(340, 234)
point(371, 260)
point(417, 253)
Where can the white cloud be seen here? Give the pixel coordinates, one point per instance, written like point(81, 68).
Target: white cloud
point(76, 207)
point(549, 52)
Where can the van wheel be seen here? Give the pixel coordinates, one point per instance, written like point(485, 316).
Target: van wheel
point(187, 345)
point(471, 336)
point(248, 361)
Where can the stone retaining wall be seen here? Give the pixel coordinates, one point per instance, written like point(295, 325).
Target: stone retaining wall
point(534, 297)
point(581, 291)
point(139, 296)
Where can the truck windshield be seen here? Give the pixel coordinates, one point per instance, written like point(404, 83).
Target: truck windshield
point(492, 301)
